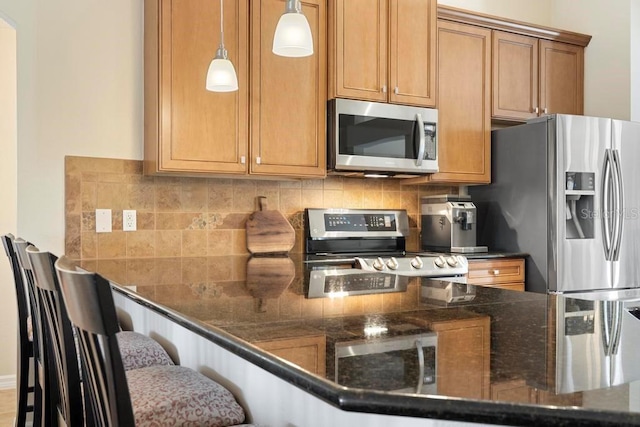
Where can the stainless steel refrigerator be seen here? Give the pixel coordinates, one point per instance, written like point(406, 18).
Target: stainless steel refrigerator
point(566, 190)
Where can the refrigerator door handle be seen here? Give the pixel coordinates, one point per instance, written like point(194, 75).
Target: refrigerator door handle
point(619, 206)
point(605, 205)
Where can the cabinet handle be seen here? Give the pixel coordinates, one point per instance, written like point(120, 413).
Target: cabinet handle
point(258, 160)
point(537, 110)
point(396, 90)
point(384, 89)
point(243, 160)
point(495, 272)
point(546, 111)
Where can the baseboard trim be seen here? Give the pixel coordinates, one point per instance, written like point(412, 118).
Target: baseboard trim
point(7, 382)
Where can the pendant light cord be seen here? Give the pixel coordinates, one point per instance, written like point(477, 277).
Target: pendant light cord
point(221, 24)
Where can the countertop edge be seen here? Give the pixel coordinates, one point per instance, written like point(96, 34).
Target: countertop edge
point(369, 401)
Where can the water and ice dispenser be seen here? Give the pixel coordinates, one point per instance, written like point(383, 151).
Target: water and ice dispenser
point(579, 205)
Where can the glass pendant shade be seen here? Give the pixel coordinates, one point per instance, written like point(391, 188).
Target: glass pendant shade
point(293, 35)
point(221, 76)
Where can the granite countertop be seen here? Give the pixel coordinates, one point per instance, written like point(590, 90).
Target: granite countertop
point(266, 300)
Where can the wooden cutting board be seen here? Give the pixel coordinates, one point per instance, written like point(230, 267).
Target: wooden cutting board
point(269, 231)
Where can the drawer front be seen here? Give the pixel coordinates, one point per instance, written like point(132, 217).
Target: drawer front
point(487, 272)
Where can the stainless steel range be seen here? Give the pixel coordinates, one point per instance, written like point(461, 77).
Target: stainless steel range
point(358, 251)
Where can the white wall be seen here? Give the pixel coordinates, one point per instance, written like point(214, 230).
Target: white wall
point(635, 60)
point(8, 190)
point(534, 12)
point(79, 93)
point(607, 58)
point(89, 77)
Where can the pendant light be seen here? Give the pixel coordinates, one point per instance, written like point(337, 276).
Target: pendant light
point(293, 34)
point(221, 76)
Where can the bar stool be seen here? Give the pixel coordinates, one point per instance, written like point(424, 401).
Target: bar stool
point(44, 414)
point(156, 395)
point(25, 342)
point(59, 338)
point(137, 349)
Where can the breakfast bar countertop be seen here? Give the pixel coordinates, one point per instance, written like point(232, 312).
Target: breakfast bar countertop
point(247, 304)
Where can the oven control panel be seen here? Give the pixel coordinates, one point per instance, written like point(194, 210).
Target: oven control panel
point(360, 222)
point(348, 223)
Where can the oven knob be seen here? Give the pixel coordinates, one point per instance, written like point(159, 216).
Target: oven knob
point(378, 264)
point(417, 263)
point(440, 262)
point(452, 261)
point(392, 263)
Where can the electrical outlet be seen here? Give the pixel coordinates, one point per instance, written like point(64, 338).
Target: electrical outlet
point(129, 220)
point(103, 220)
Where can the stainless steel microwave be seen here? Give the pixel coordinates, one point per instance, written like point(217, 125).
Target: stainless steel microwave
point(377, 139)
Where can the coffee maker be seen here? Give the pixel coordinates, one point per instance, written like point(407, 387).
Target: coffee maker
point(449, 224)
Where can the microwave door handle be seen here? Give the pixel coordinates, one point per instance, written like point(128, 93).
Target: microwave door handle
point(420, 366)
point(422, 144)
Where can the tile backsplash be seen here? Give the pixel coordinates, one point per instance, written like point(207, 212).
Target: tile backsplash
point(192, 217)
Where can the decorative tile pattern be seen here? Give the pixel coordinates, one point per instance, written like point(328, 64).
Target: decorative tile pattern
point(190, 217)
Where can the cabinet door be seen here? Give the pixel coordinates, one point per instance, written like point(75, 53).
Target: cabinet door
point(464, 102)
point(358, 43)
point(514, 76)
point(412, 52)
point(561, 78)
point(463, 358)
point(288, 103)
point(188, 129)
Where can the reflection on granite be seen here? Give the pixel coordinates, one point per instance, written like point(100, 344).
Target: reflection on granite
point(265, 300)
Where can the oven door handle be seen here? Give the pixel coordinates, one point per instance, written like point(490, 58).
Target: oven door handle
point(420, 366)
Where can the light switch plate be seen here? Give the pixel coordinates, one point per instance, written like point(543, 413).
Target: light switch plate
point(103, 220)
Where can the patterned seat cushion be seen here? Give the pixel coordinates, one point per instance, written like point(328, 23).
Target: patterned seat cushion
point(180, 396)
point(139, 351)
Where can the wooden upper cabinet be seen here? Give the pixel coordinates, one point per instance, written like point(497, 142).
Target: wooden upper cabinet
point(358, 49)
point(561, 78)
point(383, 50)
point(288, 106)
point(532, 77)
point(189, 130)
point(412, 52)
point(514, 76)
point(464, 102)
